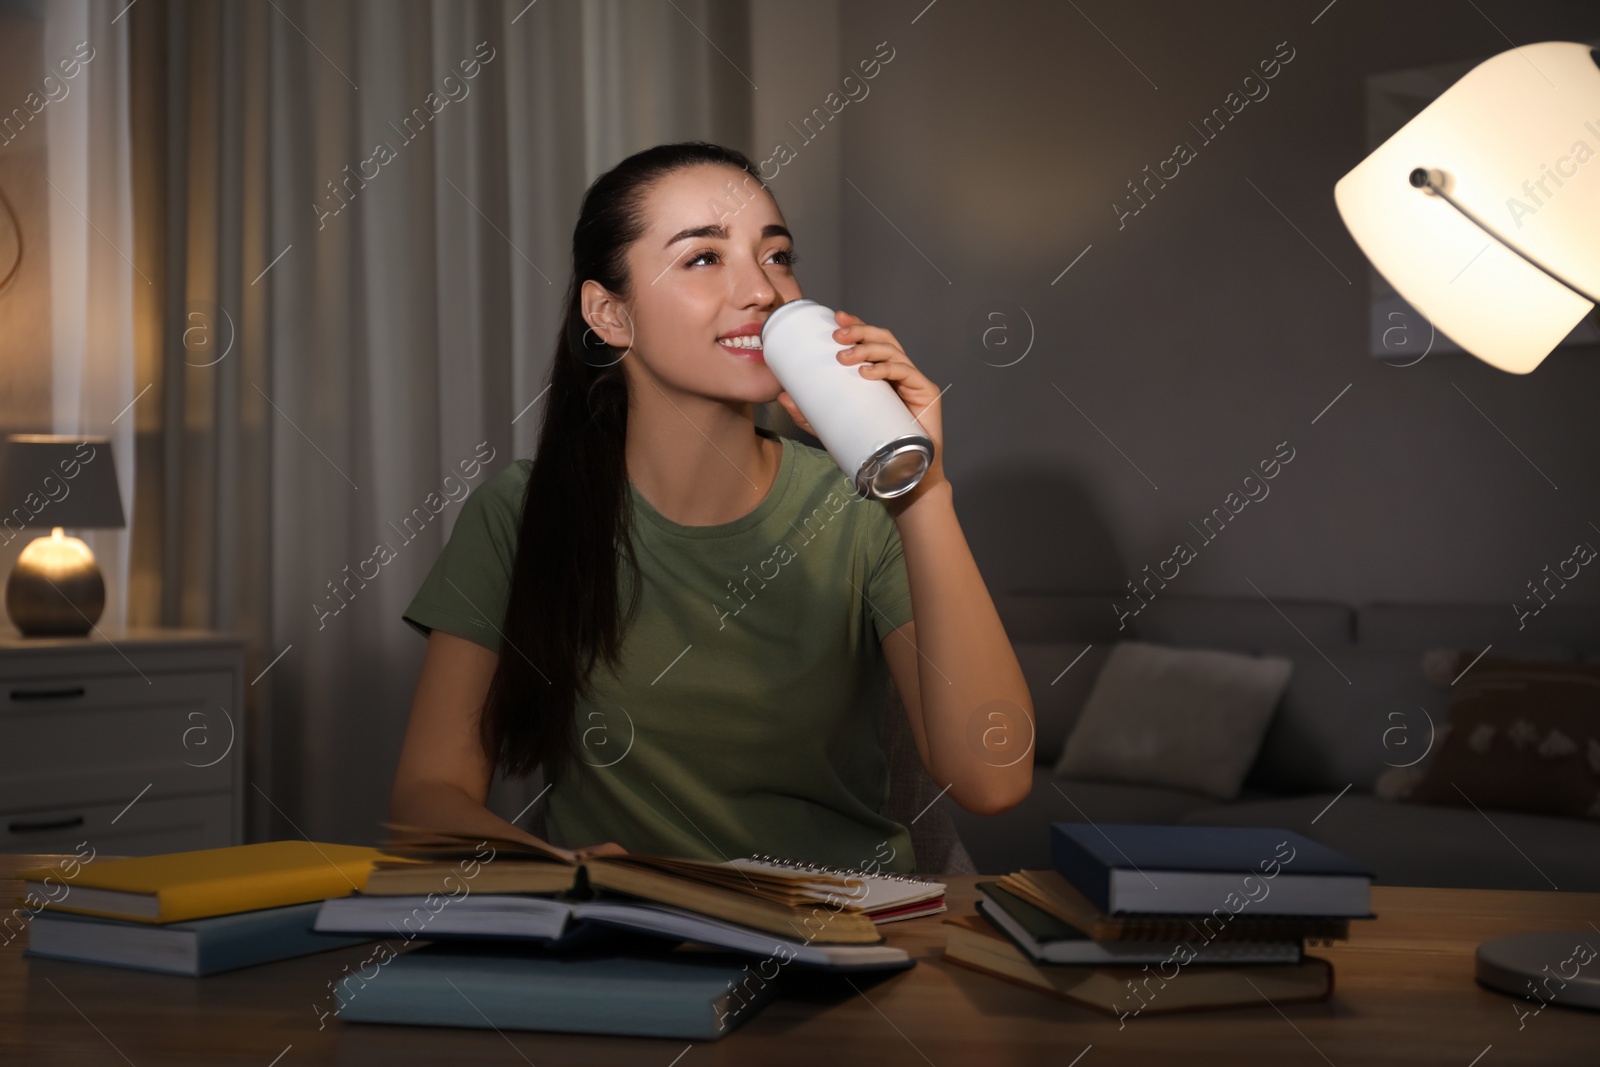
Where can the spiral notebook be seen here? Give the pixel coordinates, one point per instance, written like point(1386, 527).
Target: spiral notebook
point(885, 896)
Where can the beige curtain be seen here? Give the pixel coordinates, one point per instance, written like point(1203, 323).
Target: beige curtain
point(357, 218)
point(66, 246)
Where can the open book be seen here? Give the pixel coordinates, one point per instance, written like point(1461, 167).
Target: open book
point(563, 924)
point(807, 904)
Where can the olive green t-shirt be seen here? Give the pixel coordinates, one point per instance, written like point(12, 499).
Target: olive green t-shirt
point(745, 715)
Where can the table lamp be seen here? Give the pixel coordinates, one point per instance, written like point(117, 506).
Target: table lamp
point(56, 589)
point(1483, 211)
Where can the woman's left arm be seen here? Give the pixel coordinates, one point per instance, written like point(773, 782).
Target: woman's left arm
point(957, 675)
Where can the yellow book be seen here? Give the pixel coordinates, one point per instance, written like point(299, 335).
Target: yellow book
point(177, 886)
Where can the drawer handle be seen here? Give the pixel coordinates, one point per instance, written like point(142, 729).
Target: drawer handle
point(64, 693)
point(20, 827)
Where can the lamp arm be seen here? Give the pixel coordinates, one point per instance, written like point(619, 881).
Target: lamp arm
point(1431, 180)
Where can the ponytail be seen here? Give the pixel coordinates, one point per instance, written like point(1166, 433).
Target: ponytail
point(565, 612)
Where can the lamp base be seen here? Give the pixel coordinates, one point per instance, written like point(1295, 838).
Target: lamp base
point(55, 589)
point(1549, 967)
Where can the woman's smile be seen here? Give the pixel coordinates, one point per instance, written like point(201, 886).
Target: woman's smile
point(745, 342)
point(745, 350)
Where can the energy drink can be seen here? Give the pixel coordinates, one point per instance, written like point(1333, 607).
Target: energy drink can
point(862, 422)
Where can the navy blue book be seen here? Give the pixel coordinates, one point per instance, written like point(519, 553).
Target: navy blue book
point(693, 995)
point(195, 947)
point(1199, 870)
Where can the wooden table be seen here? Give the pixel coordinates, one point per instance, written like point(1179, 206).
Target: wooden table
point(1403, 994)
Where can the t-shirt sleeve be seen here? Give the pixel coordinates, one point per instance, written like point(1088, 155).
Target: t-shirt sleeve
point(888, 586)
point(466, 590)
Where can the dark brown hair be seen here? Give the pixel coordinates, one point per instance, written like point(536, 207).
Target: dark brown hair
point(565, 611)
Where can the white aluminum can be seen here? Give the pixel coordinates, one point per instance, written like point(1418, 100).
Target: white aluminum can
point(862, 422)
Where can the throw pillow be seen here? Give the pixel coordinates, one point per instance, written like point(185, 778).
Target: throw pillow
point(1180, 718)
point(1524, 736)
point(1443, 667)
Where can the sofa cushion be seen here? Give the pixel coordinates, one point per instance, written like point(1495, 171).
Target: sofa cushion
point(1178, 718)
point(1421, 844)
point(1524, 736)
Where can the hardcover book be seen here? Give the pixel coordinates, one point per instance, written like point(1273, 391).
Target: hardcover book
point(194, 947)
point(176, 886)
point(686, 995)
point(1196, 869)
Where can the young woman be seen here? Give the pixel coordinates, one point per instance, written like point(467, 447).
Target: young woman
point(686, 619)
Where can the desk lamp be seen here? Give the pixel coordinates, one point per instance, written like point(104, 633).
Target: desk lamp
point(1483, 211)
point(56, 588)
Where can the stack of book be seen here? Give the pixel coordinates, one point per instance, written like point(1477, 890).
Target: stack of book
point(1135, 919)
point(537, 937)
point(194, 913)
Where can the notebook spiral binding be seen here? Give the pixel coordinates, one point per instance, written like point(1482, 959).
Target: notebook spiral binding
point(841, 871)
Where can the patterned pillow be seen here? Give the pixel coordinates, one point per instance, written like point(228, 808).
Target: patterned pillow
point(1523, 736)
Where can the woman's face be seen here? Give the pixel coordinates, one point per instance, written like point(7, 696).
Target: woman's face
point(714, 260)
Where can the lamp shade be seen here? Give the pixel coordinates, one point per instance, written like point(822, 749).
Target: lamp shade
point(48, 480)
point(1515, 147)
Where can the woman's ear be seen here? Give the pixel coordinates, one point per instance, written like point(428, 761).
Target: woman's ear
point(606, 315)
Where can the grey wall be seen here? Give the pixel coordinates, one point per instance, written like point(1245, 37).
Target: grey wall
point(795, 61)
point(1208, 328)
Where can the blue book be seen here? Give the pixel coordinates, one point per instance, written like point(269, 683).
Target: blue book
point(194, 947)
point(1201, 870)
point(694, 995)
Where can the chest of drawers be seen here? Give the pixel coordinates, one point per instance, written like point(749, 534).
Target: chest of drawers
point(133, 741)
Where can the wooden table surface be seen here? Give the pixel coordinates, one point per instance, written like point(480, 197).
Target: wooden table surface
point(1403, 994)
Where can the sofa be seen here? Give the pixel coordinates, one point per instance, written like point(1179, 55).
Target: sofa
point(1357, 704)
